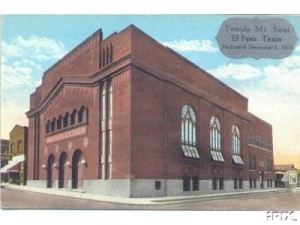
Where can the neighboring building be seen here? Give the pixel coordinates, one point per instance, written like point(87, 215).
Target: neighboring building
point(16, 168)
point(280, 171)
point(5, 156)
point(127, 116)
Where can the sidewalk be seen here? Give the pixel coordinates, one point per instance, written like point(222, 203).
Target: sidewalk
point(145, 201)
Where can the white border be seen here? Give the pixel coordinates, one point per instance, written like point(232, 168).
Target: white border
point(148, 7)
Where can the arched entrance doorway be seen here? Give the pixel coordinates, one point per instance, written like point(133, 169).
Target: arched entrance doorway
point(50, 164)
point(78, 164)
point(61, 170)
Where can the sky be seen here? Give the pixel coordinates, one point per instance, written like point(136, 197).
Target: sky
point(32, 43)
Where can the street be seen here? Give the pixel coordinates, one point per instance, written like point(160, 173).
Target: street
point(20, 199)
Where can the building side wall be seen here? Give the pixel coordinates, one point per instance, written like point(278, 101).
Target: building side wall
point(181, 69)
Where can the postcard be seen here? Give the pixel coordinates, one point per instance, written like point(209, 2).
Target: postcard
point(151, 112)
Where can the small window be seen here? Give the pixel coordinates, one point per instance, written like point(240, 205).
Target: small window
point(214, 183)
point(157, 185)
point(186, 183)
point(235, 183)
point(250, 183)
point(195, 183)
point(240, 183)
point(221, 183)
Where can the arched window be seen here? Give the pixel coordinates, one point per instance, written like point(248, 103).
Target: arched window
point(53, 124)
point(188, 125)
point(82, 114)
point(215, 139)
point(73, 117)
point(215, 134)
point(58, 123)
point(48, 127)
point(188, 132)
point(235, 142)
point(236, 145)
point(66, 120)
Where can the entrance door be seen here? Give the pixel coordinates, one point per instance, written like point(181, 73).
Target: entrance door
point(61, 170)
point(75, 168)
point(50, 171)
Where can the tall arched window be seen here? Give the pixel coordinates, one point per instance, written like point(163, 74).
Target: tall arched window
point(215, 139)
point(215, 134)
point(188, 132)
point(236, 145)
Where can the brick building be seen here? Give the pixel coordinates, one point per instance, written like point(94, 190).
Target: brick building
point(15, 170)
point(127, 116)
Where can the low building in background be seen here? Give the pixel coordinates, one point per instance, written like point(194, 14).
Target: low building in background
point(15, 170)
point(127, 116)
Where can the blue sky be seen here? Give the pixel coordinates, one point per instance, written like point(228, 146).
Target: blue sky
point(31, 44)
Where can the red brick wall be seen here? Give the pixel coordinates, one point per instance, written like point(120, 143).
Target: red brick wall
point(69, 98)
